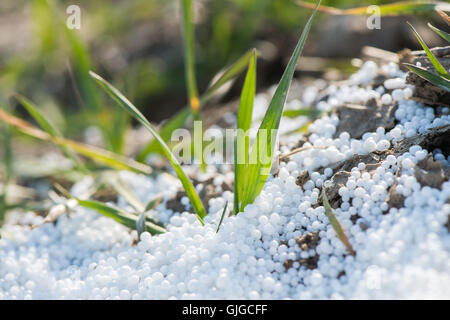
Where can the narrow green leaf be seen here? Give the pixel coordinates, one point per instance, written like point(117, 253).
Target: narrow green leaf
point(154, 202)
point(258, 169)
point(113, 123)
point(237, 180)
point(123, 217)
point(37, 115)
point(8, 154)
point(129, 107)
point(82, 64)
point(125, 191)
point(439, 81)
point(306, 112)
point(105, 157)
point(228, 74)
point(245, 111)
point(244, 121)
point(34, 111)
point(221, 217)
point(443, 34)
point(437, 65)
point(189, 54)
point(392, 9)
point(99, 155)
point(335, 223)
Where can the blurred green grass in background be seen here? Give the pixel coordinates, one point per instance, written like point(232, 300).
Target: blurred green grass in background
point(138, 44)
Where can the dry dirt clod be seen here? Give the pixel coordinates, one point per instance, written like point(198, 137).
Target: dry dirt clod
point(431, 173)
point(208, 192)
point(175, 203)
point(425, 91)
point(308, 241)
point(395, 199)
point(437, 137)
point(339, 180)
point(354, 218)
point(310, 263)
point(363, 226)
point(358, 119)
point(372, 161)
point(288, 264)
point(302, 178)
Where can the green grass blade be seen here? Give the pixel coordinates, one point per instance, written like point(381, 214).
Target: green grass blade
point(306, 112)
point(244, 121)
point(189, 54)
point(82, 64)
point(335, 223)
point(99, 155)
point(221, 217)
point(180, 118)
point(258, 171)
point(113, 160)
point(439, 81)
point(237, 180)
point(121, 216)
point(112, 122)
point(124, 190)
point(392, 9)
point(154, 202)
point(437, 65)
point(129, 107)
point(128, 219)
point(34, 111)
point(444, 35)
point(245, 111)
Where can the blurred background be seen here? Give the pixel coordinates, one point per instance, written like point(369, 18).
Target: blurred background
point(138, 46)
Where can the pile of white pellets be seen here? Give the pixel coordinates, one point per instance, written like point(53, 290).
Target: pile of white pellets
point(258, 254)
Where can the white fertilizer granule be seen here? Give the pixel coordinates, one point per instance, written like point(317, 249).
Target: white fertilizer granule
point(280, 247)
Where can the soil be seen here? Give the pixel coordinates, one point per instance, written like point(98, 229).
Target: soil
point(306, 242)
point(431, 173)
point(424, 90)
point(208, 192)
point(395, 199)
point(358, 119)
point(302, 178)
